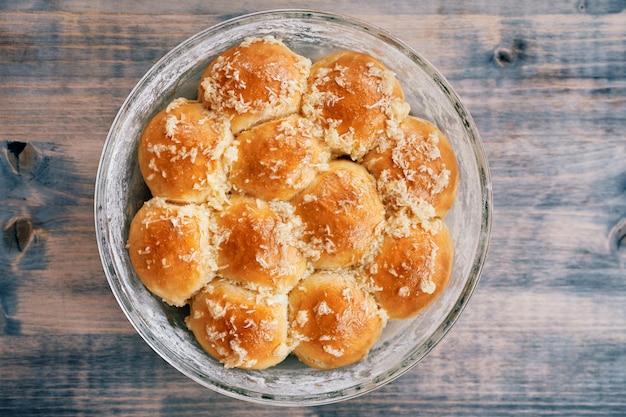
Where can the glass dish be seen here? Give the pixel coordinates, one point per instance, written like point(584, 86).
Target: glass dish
point(120, 191)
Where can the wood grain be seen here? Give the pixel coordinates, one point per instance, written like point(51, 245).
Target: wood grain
point(545, 332)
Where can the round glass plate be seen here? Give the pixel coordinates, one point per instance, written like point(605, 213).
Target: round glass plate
point(120, 191)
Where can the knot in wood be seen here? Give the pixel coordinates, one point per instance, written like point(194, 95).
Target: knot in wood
point(19, 232)
point(21, 156)
point(617, 236)
point(505, 56)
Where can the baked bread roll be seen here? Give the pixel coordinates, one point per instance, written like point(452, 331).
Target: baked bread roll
point(416, 168)
point(239, 327)
point(334, 321)
point(259, 245)
point(356, 99)
point(180, 153)
point(410, 271)
point(172, 250)
point(277, 159)
point(258, 80)
point(341, 212)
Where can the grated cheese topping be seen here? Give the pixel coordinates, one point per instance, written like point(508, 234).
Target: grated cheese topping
point(351, 129)
point(282, 80)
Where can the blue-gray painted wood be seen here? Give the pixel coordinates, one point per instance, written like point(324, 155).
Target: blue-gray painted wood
point(545, 332)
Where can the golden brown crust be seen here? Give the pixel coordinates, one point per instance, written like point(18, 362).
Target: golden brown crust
point(341, 212)
point(410, 272)
point(277, 159)
point(334, 321)
point(169, 247)
point(356, 99)
point(239, 327)
point(258, 80)
point(259, 244)
point(416, 165)
point(180, 153)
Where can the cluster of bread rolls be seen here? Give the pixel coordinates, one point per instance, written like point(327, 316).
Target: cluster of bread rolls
point(296, 207)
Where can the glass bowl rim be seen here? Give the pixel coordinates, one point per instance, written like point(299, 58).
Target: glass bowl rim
point(420, 351)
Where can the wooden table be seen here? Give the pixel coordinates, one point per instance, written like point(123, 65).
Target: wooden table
point(545, 332)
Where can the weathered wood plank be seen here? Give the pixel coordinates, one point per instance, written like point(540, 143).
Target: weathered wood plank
point(399, 7)
point(545, 331)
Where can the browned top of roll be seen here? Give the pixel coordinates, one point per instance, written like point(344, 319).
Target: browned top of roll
point(333, 320)
point(341, 211)
point(277, 159)
point(410, 272)
point(180, 153)
point(356, 99)
point(239, 327)
point(416, 167)
point(259, 244)
point(258, 80)
point(169, 247)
